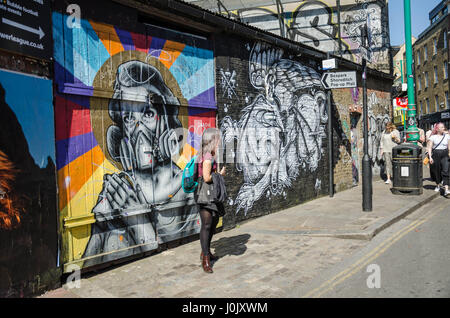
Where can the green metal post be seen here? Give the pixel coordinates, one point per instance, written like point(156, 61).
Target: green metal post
point(412, 133)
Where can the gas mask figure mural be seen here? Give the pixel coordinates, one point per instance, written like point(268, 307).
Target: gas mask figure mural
point(281, 131)
point(147, 193)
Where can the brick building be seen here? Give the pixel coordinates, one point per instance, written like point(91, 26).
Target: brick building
point(431, 57)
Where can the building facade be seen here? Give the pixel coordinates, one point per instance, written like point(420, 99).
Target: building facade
point(330, 25)
point(400, 87)
point(431, 56)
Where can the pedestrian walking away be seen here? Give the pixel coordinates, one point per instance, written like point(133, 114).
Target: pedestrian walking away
point(210, 210)
point(439, 154)
point(389, 139)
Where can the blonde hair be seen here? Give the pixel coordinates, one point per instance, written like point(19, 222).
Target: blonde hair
point(390, 127)
point(210, 138)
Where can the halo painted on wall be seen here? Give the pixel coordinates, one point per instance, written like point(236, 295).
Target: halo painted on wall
point(103, 84)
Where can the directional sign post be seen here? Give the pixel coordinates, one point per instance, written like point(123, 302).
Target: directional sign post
point(25, 27)
point(339, 80)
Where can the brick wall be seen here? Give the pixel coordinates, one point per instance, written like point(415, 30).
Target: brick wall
point(260, 87)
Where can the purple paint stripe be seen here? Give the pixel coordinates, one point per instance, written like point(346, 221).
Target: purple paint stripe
point(198, 111)
point(68, 150)
point(126, 39)
point(156, 46)
point(67, 83)
point(205, 99)
point(194, 140)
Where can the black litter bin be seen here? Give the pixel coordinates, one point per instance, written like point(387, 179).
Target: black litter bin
point(407, 167)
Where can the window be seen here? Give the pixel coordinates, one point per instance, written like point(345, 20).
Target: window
point(435, 75)
point(445, 39)
point(445, 70)
point(435, 48)
point(426, 79)
point(436, 102)
point(425, 53)
point(419, 83)
point(421, 108)
point(428, 105)
point(418, 57)
point(446, 100)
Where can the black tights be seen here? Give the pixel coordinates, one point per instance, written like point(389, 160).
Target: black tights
point(209, 224)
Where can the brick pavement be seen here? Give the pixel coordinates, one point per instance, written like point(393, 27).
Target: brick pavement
point(261, 258)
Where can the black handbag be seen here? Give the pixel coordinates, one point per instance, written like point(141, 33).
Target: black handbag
point(204, 193)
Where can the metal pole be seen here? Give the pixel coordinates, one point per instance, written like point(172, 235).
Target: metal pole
point(330, 142)
point(412, 133)
point(338, 3)
point(367, 162)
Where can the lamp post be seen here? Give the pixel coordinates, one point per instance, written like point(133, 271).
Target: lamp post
point(367, 162)
point(412, 133)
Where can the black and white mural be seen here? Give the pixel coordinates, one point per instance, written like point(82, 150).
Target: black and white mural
point(280, 129)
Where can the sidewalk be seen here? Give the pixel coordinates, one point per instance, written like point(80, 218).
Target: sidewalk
point(264, 257)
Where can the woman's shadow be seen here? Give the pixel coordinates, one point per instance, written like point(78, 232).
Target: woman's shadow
point(234, 245)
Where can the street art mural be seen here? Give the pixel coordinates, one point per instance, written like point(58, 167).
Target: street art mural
point(377, 124)
point(142, 101)
point(316, 23)
point(28, 221)
point(280, 128)
point(355, 148)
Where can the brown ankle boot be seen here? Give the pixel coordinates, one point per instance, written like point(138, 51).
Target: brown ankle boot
point(206, 264)
point(212, 257)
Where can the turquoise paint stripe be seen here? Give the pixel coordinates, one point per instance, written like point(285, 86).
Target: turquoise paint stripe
point(189, 62)
point(84, 52)
point(199, 82)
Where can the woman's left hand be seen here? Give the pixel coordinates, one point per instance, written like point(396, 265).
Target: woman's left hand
point(223, 171)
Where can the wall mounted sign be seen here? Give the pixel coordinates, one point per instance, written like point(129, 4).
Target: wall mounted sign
point(25, 27)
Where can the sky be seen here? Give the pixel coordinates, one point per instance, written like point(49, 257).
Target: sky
point(419, 18)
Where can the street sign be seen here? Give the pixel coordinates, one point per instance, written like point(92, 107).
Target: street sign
point(401, 102)
point(25, 27)
point(330, 64)
point(339, 80)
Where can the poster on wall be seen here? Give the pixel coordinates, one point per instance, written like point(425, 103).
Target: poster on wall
point(25, 27)
point(28, 221)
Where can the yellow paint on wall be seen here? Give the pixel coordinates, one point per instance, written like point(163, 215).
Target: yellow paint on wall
point(82, 204)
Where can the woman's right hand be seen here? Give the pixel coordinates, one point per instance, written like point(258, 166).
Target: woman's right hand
point(431, 160)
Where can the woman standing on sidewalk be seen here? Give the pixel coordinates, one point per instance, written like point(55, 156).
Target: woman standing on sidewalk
point(209, 213)
point(439, 153)
point(389, 139)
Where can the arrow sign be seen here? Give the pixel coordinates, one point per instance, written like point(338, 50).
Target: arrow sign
point(339, 80)
point(324, 81)
point(24, 27)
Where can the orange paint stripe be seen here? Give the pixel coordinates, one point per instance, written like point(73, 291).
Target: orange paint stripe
point(174, 49)
point(73, 176)
point(107, 34)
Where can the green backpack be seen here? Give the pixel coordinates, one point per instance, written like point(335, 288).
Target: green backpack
point(190, 175)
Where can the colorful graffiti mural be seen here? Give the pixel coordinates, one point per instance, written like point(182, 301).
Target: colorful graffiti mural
point(28, 221)
point(130, 111)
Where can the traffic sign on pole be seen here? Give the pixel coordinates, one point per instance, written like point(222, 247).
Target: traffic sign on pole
point(339, 80)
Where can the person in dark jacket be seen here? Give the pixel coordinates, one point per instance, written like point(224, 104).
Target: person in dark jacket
point(209, 213)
